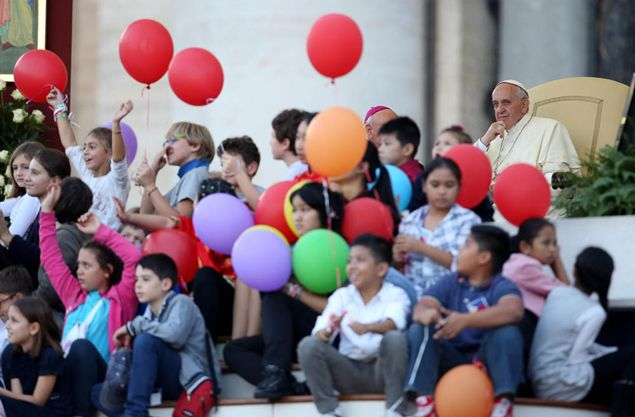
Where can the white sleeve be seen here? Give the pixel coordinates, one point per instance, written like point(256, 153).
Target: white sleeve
point(398, 308)
point(76, 155)
point(119, 172)
point(7, 205)
point(588, 326)
point(479, 144)
point(335, 306)
point(23, 215)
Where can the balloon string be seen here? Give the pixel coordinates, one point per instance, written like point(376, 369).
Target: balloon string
point(147, 135)
point(329, 224)
point(336, 92)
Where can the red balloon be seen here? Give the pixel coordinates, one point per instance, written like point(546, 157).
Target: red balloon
point(37, 71)
point(178, 245)
point(145, 50)
point(334, 45)
point(270, 210)
point(196, 76)
point(367, 215)
point(476, 174)
point(521, 192)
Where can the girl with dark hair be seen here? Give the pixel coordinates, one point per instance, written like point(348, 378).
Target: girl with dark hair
point(48, 166)
point(565, 362)
point(20, 207)
point(430, 237)
point(535, 246)
point(98, 301)
point(288, 315)
point(34, 363)
point(368, 179)
point(101, 161)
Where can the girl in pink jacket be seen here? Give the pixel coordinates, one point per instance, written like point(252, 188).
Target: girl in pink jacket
point(98, 300)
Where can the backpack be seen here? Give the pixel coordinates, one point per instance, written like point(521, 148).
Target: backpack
point(205, 396)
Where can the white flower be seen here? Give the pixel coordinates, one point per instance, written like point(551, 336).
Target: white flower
point(3, 85)
point(19, 115)
point(38, 116)
point(17, 95)
point(7, 190)
point(7, 172)
point(4, 158)
point(2, 183)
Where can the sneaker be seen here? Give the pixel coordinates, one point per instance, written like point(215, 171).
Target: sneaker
point(425, 406)
point(503, 407)
point(277, 383)
point(335, 413)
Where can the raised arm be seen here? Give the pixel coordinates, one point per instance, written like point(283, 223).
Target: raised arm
point(118, 146)
point(55, 99)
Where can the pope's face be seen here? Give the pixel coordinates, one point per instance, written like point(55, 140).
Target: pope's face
point(508, 107)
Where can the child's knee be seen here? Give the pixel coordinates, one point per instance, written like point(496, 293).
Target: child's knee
point(394, 342)
point(309, 347)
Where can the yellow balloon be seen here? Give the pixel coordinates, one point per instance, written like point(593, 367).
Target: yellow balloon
point(288, 207)
point(271, 229)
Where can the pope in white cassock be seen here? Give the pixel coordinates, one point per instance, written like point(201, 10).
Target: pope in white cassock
point(516, 136)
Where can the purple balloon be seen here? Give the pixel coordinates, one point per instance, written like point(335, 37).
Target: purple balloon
point(262, 260)
point(129, 139)
point(219, 219)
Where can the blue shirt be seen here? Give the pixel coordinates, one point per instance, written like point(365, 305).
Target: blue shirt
point(98, 330)
point(455, 293)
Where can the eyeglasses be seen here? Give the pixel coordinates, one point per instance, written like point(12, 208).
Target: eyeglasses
point(172, 139)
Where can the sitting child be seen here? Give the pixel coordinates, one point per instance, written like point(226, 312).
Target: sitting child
point(565, 362)
point(535, 245)
point(34, 363)
point(368, 315)
point(400, 139)
point(101, 162)
point(285, 128)
point(170, 346)
point(469, 315)
point(190, 147)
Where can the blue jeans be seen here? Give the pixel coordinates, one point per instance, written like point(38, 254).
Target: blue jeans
point(501, 351)
point(154, 365)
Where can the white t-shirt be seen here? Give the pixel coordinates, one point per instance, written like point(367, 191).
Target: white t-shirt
point(22, 211)
point(296, 168)
point(113, 184)
point(4, 342)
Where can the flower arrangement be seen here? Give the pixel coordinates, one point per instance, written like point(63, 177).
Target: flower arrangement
point(18, 124)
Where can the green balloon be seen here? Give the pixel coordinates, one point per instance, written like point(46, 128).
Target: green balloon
point(317, 258)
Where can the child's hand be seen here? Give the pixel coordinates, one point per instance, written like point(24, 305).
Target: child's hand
point(404, 244)
point(122, 215)
point(88, 223)
point(52, 197)
point(54, 97)
point(123, 110)
point(232, 167)
point(450, 326)
point(121, 338)
point(159, 161)
point(398, 256)
point(359, 328)
point(425, 315)
point(145, 176)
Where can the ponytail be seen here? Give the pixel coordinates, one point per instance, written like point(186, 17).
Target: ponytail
point(594, 268)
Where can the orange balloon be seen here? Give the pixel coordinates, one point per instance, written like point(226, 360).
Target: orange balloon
point(335, 142)
point(464, 391)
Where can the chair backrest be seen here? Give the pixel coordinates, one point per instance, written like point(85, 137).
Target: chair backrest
point(591, 109)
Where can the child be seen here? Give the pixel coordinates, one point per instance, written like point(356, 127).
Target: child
point(240, 160)
point(15, 283)
point(288, 315)
point(48, 166)
point(190, 147)
point(399, 140)
point(449, 138)
point(21, 208)
point(565, 362)
point(469, 315)
point(169, 350)
point(535, 245)
point(101, 163)
point(368, 315)
point(300, 136)
point(285, 127)
point(430, 237)
point(98, 301)
point(34, 363)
